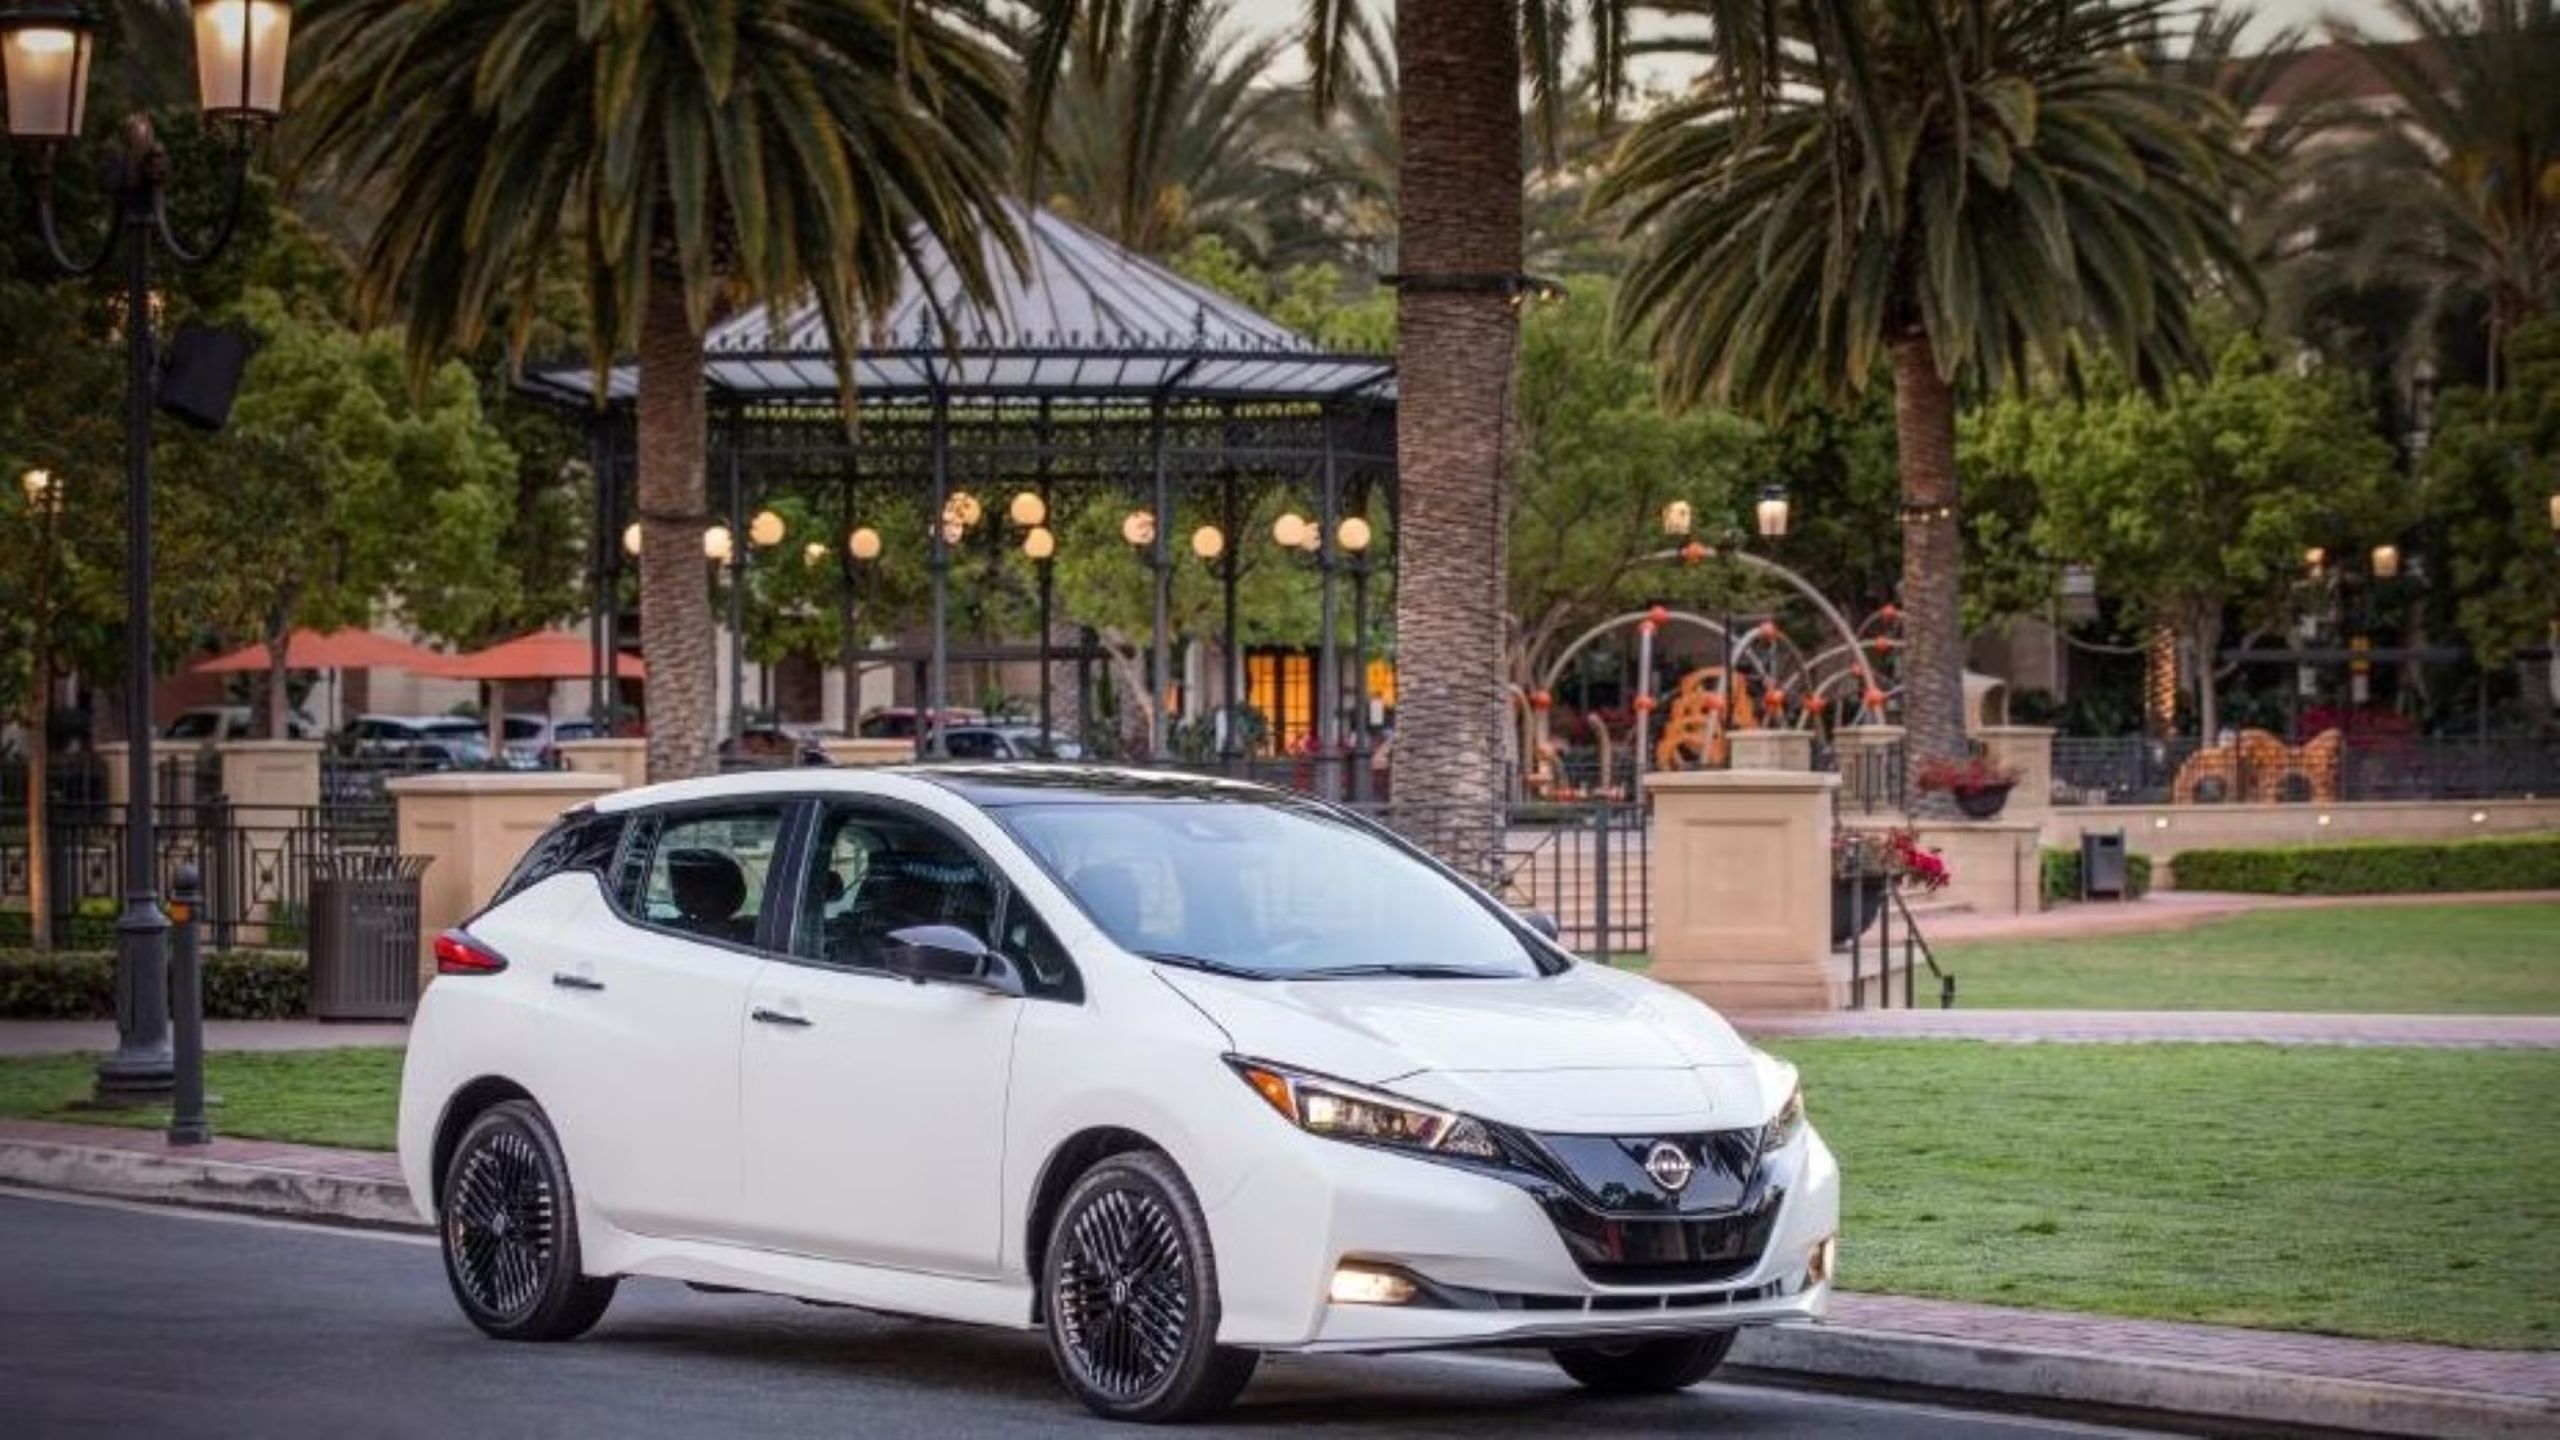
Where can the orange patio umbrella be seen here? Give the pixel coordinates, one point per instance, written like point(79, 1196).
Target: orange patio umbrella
point(346, 649)
point(542, 655)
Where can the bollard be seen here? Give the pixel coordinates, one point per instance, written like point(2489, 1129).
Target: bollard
point(187, 1124)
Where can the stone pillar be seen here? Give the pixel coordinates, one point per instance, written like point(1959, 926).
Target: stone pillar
point(627, 761)
point(1870, 757)
point(1742, 887)
point(857, 752)
point(1772, 749)
point(1994, 865)
point(474, 825)
point(113, 757)
point(270, 775)
point(2027, 749)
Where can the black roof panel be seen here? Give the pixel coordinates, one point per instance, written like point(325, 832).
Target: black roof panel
point(994, 786)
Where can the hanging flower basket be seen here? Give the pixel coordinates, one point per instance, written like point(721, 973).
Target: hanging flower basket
point(1866, 865)
point(1980, 788)
point(1982, 802)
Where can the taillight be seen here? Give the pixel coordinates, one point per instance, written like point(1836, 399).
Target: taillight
point(459, 954)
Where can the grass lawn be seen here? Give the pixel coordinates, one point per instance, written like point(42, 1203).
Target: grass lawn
point(2388, 959)
point(318, 1097)
point(2402, 1194)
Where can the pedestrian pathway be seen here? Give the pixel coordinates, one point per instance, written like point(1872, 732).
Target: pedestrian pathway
point(2177, 910)
point(57, 1037)
point(2142, 1027)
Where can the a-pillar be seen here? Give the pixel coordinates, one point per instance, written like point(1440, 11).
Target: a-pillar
point(473, 825)
point(1742, 887)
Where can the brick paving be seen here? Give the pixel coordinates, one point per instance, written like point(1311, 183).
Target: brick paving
point(2525, 1373)
point(2143, 1027)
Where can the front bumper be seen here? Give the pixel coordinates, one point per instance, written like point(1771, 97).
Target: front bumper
point(1494, 1267)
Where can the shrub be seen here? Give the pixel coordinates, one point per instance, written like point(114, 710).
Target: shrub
point(91, 926)
point(81, 985)
point(2384, 867)
point(2062, 875)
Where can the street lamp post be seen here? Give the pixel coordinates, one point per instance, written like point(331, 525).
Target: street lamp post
point(44, 505)
point(45, 52)
point(1352, 538)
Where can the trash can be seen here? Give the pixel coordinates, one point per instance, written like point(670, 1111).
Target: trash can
point(364, 936)
point(2102, 865)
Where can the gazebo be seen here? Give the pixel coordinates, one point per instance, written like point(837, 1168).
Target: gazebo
point(1091, 368)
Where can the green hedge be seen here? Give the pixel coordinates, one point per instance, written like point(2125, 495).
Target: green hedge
point(92, 927)
point(81, 985)
point(2062, 875)
point(2382, 867)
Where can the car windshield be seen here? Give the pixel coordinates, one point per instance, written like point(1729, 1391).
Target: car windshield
point(1265, 890)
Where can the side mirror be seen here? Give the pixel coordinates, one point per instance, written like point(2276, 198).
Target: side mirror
point(1544, 923)
point(949, 955)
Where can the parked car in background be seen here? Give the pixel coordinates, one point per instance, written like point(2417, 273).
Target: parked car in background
point(899, 722)
point(205, 724)
point(533, 741)
point(421, 742)
point(1007, 742)
point(1175, 1070)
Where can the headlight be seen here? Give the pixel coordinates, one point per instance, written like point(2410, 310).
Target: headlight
point(1341, 1111)
point(1782, 1129)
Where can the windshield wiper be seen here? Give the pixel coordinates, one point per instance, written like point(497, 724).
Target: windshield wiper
point(1418, 972)
point(1202, 963)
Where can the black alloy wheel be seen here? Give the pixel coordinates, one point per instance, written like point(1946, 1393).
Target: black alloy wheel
point(1131, 1294)
point(510, 1227)
point(1645, 1367)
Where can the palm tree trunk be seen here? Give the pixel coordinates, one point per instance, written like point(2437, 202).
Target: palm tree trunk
point(1924, 426)
point(675, 604)
point(1459, 207)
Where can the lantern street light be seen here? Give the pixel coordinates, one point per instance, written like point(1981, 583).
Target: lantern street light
point(2555, 511)
point(1208, 542)
point(2386, 561)
point(1771, 512)
point(1678, 518)
point(46, 49)
point(631, 539)
point(863, 544)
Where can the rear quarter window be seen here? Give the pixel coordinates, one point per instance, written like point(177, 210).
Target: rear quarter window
point(582, 842)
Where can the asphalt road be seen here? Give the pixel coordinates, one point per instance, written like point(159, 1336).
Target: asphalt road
point(130, 1322)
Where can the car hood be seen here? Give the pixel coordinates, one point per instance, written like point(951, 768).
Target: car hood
point(1589, 1049)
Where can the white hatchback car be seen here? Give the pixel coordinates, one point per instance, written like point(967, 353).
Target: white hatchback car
point(1179, 1070)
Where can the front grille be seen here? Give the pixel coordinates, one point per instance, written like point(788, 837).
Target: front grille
point(1623, 1227)
point(1617, 1250)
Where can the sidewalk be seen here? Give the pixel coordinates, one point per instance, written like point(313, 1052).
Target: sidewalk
point(60, 1037)
point(2177, 910)
point(2260, 1377)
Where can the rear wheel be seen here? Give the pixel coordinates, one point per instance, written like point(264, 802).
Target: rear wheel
point(1131, 1292)
point(1645, 1367)
point(510, 1227)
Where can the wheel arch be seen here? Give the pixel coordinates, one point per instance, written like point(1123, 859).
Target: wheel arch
point(466, 1106)
point(1058, 1174)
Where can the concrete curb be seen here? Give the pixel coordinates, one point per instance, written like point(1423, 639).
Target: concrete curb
point(1790, 1354)
point(208, 1184)
point(1895, 1359)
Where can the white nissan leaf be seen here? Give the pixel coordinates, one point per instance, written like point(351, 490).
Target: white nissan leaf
point(1177, 1070)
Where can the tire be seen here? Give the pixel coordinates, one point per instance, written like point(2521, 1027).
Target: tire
point(1645, 1367)
point(1130, 1289)
point(509, 1226)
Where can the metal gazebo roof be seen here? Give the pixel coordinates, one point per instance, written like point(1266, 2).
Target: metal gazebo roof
point(1084, 322)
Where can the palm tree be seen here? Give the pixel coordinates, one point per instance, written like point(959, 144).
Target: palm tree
point(1207, 161)
point(678, 157)
point(2453, 182)
point(2035, 186)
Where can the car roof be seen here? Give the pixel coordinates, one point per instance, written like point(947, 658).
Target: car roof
point(988, 787)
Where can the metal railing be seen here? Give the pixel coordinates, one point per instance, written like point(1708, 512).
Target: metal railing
point(255, 862)
point(1916, 951)
point(2134, 770)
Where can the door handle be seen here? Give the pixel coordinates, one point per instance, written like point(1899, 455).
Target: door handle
point(765, 1016)
point(569, 980)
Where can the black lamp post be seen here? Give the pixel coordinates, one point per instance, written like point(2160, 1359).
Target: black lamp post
point(45, 56)
point(1352, 538)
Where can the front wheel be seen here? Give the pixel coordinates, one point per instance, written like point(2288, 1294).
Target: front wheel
point(510, 1228)
point(1131, 1292)
point(1645, 1367)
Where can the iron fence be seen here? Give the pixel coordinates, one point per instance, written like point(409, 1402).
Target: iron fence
point(1587, 865)
point(2134, 770)
point(256, 864)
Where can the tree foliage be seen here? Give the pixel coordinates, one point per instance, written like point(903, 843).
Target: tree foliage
point(2490, 475)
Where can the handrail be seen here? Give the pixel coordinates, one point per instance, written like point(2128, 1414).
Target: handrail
point(1911, 937)
point(1916, 951)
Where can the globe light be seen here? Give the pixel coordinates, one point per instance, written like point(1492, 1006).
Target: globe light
point(1352, 534)
point(44, 64)
point(864, 543)
point(718, 544)
point(813, 554)
point(962, 509)
point(2555, 512)
point(1039, 544)
point(2314, 559)
point(1771, 512)
point(1677, 518)
point(1289, 532)
point(631, 539)
point(1208, 542)
point(952, 531)
point(1028, 510)
point(1138, 527)
point(2386, 562)
point(765, 531)
point(43, 491)
point(240, 50)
